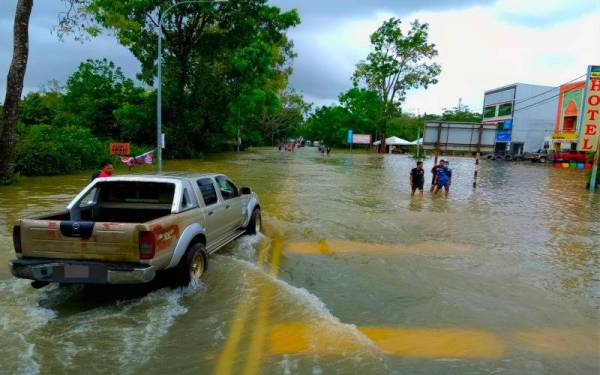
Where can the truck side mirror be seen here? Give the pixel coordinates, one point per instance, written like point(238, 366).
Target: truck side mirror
point(245, 190)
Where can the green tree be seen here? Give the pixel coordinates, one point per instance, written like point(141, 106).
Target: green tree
point(48, 150)
point(405, 126)
point(329, 125)
point(365, 108)
point(40, 107)
point(286, 118)
point(135, 119)
point(397, 62)
point(222, 61)
point(461, 114)
point(93, 93)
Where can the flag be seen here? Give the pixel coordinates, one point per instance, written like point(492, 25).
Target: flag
point(145, 158)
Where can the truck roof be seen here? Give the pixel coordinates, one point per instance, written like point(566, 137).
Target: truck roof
point(161, 176)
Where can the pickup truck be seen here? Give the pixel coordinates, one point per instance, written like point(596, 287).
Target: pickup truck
point(570, 156)
point(540, 156)
point(123, 230)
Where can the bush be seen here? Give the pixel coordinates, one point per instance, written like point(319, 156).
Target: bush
point(48, 150)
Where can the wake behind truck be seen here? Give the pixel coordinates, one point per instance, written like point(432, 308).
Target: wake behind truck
point(124, 230)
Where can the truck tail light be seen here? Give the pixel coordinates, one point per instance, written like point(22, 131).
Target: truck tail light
point(147, 245)
point(17, 239)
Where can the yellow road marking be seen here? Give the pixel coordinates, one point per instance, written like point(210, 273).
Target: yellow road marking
point(327, 247)
point(306, 339)
point(226, 359)
point(405, 342)
point(560, 342)
point(260, 330)
point(436, 343)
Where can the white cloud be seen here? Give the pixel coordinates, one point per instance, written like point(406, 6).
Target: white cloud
point(544, 9)
point(479, 49)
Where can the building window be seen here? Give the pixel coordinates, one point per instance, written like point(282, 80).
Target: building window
point(505, 109)
point(489, 111)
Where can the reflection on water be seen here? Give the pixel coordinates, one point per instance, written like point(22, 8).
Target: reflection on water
point(350, 276)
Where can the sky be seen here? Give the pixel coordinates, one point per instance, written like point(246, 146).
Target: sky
point(482, 44)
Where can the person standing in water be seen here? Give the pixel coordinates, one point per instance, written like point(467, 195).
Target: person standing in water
point(417, 179)
point(434, 175)
point(444, 178)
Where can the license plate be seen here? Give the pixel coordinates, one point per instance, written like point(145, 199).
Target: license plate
point(76, 271)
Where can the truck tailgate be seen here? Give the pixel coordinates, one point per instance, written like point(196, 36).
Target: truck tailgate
point(115, 242)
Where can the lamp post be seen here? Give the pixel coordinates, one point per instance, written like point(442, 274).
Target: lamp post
point(159, 139)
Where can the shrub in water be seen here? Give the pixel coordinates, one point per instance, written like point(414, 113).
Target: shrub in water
point(47, 150)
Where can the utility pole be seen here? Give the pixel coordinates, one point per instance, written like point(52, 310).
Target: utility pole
point(238, 140)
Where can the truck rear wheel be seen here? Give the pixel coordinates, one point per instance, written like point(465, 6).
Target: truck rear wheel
point(191, 266)
point(255, 224)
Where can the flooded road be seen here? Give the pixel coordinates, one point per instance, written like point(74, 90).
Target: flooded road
point(351, 275)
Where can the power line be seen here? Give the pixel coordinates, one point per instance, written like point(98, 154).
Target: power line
point(552, 89)
point(545, 100)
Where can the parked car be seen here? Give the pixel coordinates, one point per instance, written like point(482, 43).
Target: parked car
point(570, 156)
point(504, 156)
point(124, 230)
point(540, 156)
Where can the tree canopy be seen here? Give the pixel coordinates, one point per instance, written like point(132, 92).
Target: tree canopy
point(224, 63)
point(397, 62)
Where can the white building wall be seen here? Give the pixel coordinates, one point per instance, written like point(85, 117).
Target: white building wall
point(534, 112)
point(534, 115)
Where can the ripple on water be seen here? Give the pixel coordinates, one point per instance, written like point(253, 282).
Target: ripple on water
point(98, 340)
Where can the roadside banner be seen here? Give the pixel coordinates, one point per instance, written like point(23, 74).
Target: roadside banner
point(361, 139)
point(349, 139)
point(589, 119)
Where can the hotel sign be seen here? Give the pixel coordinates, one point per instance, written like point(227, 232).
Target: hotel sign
point(564, 137)
point(589, 120)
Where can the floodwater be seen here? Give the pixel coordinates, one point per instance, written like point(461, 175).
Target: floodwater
point(350, 276)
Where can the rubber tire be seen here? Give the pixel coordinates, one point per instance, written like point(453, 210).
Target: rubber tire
point(508, 157)
point(489, 156)
point(183, 272)
point(542, 159)
point(251, 227)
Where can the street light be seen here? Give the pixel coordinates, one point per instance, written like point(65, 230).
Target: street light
point(159, 140)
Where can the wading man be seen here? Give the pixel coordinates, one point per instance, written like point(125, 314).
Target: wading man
point(443, 178)
point(434, 175)
point(417, 179)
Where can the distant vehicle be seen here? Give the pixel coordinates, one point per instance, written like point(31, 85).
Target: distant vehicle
point(505, 156)
point(126, 229)
point(570, 157)
point(540, 156)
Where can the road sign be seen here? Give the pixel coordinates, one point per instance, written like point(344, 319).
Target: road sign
point(361, 139)
point(120, 149)
point(589, 120)
point(459, 136)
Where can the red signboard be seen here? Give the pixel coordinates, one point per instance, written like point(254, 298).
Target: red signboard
point(120, 149)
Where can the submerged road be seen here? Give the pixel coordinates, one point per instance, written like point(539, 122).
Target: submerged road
point(351, 275)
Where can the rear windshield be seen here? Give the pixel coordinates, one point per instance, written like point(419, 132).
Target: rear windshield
point(136, 192)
